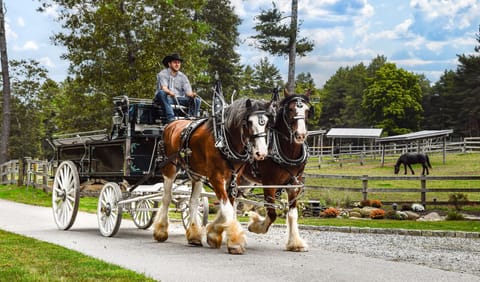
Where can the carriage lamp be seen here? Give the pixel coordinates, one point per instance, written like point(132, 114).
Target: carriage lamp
point(117, 119)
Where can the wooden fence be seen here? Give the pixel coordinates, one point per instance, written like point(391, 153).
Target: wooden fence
point(422, 190)
point(27, 172)
point(372, 152)
point(38, 173)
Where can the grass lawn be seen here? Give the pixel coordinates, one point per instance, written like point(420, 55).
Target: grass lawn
point(27, 259)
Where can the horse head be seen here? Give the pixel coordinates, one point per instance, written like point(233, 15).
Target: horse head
point(249, 120)
point(295, 112)
point(258, 117)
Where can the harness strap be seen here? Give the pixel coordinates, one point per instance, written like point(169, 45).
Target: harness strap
point(277, 155)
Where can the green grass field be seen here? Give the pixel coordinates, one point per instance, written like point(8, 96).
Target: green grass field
point(456, 165)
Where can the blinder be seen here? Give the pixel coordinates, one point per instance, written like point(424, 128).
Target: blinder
point(261, 121)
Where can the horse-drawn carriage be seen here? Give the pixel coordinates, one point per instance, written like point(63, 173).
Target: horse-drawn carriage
point(125, 158)
point(139, 161)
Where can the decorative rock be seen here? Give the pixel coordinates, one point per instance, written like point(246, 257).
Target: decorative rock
point(418, 208)
point(412, 215)
point(433, 216)
point(355, 214)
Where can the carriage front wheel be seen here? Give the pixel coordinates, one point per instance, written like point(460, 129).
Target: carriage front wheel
point(65, 195)
point(143, 213)
point(109, 212)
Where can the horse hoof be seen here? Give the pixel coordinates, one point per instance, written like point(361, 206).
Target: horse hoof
point(214, 241)
point(236, 250)
point(160, 236)
point(195, 242)
point(297, 249)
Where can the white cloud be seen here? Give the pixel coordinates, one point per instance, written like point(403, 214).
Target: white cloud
point(29, 45)
point(52, 11)
point(20, 22)
point(47, 62)
point(454, 14)
point(11, 35)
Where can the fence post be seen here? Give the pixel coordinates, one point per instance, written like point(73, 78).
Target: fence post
point(365, 187)
point(423, 191)
point(45, 177)
point(21, 170)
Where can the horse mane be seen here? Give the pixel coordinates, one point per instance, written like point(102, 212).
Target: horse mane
point(236, 112)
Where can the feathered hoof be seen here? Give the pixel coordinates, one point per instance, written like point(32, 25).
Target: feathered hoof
point(214, 236)
point(160, 236)
point(195, 242)
point(160, 232)
point(297, 248)
point(194, 236)
point(236, 250)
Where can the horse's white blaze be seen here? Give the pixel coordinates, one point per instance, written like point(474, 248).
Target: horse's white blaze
point(301, 132)
point(259, 128)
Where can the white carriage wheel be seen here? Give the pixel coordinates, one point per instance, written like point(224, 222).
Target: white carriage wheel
point(65, 195)
point(109, 213)
point(202, 212)
point(142, 213)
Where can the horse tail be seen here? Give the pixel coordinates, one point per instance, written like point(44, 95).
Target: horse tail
point(428, 161)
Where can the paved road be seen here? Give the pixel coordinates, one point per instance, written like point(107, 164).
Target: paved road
point(265, 259)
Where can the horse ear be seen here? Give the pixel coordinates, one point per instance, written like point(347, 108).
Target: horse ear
point(248, 104)
point(285, 93)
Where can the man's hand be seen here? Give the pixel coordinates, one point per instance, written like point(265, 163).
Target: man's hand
point(193, 94)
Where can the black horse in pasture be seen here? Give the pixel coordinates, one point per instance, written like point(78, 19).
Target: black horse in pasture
point(413, 158)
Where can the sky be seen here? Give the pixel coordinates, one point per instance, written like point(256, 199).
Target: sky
point(420, 36)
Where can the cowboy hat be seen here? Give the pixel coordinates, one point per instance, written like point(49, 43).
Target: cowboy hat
point(170, 58)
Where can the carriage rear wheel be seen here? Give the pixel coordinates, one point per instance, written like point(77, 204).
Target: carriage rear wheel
point(65, 195)
point(202, 212)
point(109, 213)
point(143, 213)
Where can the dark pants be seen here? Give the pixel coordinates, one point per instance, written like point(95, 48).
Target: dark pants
point(193, 104)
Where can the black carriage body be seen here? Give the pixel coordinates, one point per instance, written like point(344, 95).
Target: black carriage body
point(128, 152)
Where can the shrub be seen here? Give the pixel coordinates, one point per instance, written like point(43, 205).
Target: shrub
point(377, 214)
point(458, 200)
point(330, 212)
point(397, 215)
point(376, 203)
point(454, 215)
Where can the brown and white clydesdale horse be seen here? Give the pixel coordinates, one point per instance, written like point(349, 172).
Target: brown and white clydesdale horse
point(284, 165)
point(245, 123)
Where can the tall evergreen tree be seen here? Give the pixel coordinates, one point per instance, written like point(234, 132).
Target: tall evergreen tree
point(467, 84)
point(223, 38)
point(279, 38)
point(266, 78)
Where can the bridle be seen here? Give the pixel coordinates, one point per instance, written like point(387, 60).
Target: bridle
point(289, 121)
point(232, 154)
point(276, 153)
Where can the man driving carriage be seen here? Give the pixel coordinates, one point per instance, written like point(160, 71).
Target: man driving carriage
point(173, 87)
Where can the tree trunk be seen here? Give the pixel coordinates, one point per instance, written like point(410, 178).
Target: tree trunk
point(293, 48)
point(6, 89)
